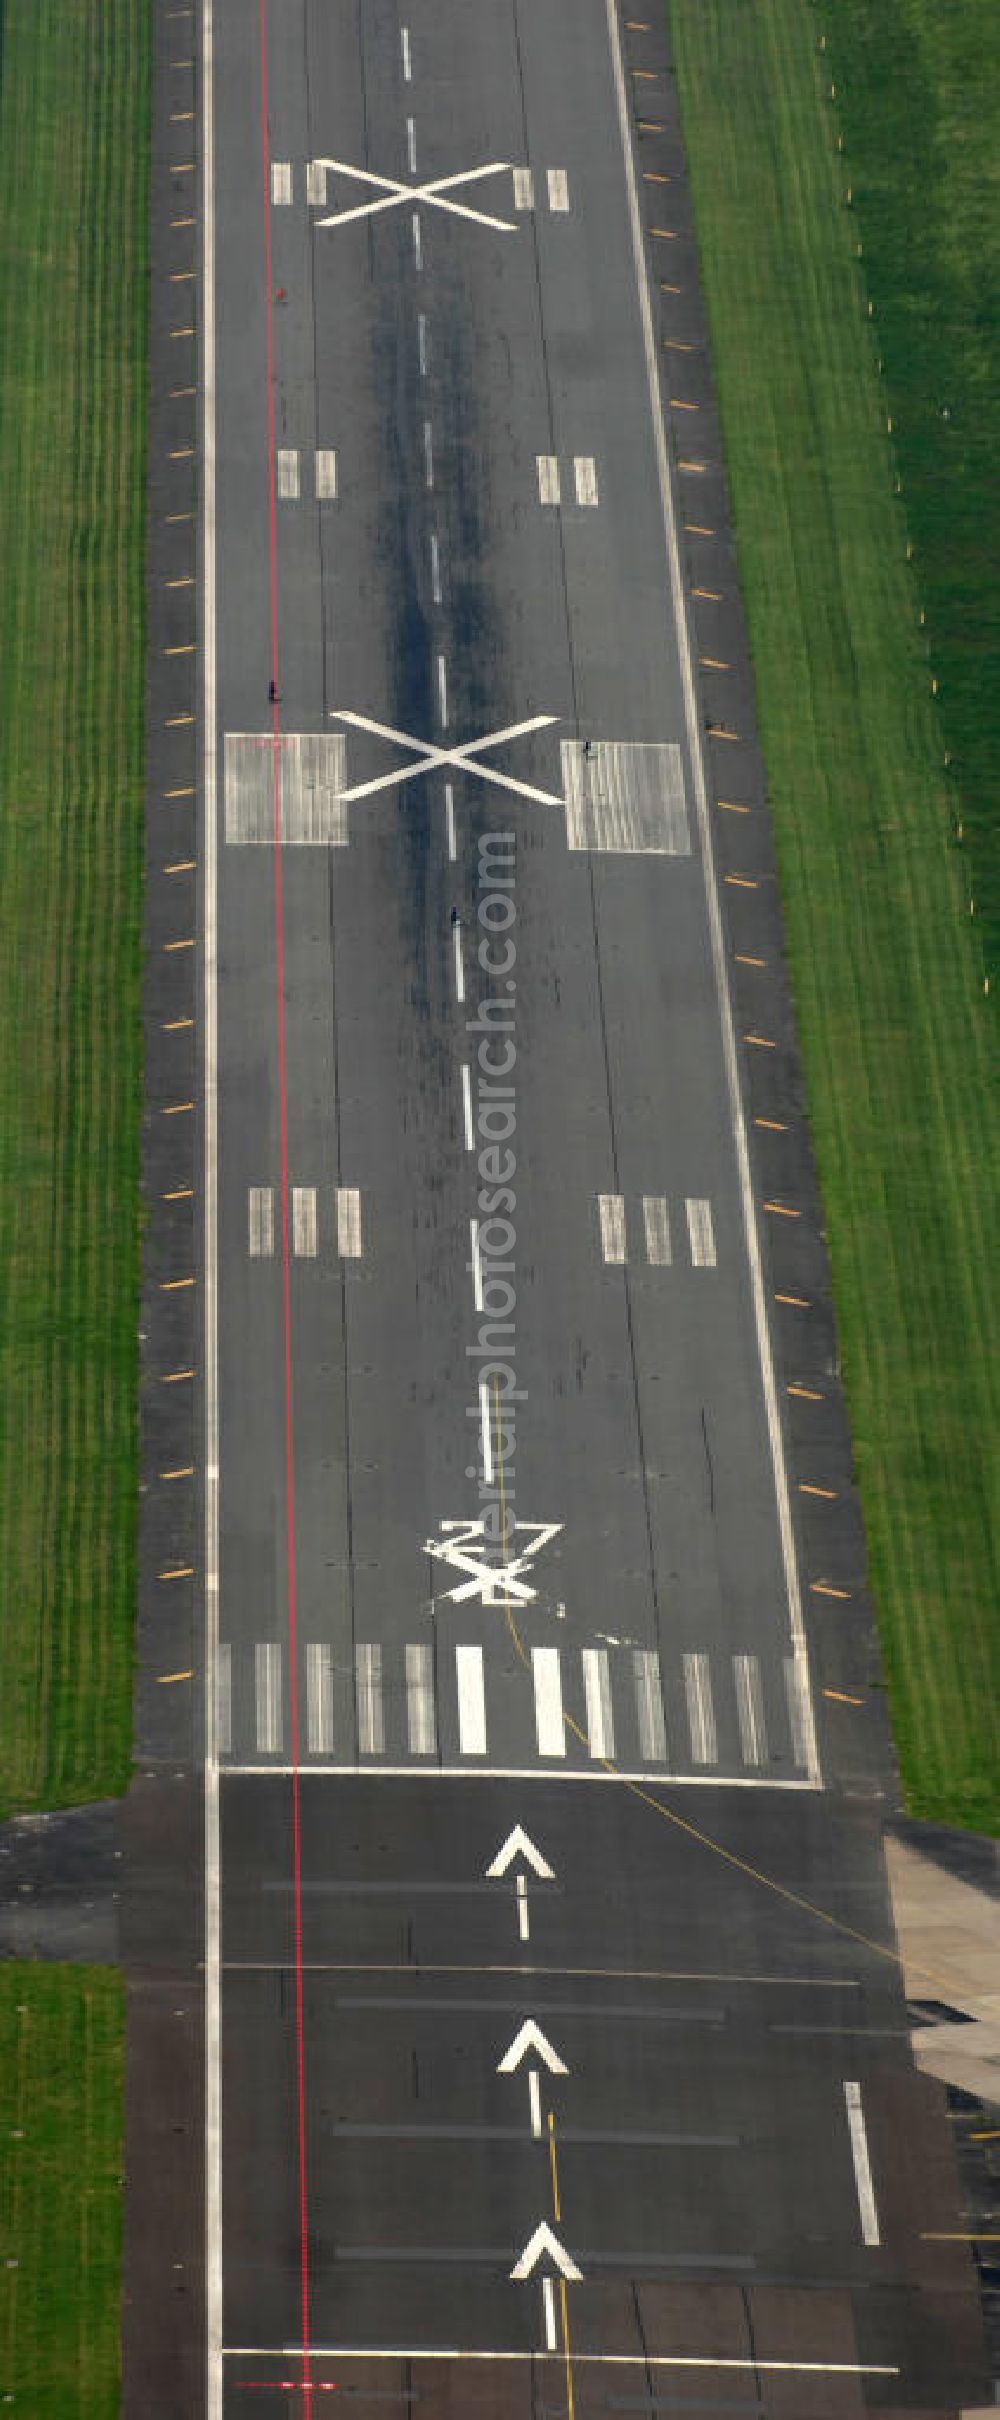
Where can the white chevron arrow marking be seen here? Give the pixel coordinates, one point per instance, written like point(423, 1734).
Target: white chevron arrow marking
point(517, 1844)
point(531, 2037)
point(543, 2241)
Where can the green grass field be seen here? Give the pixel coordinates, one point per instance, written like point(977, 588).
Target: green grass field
point(899, 1042)
point(73, 253)
point(61, 2076)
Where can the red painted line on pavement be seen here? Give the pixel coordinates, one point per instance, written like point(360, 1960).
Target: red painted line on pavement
point(300, 2059)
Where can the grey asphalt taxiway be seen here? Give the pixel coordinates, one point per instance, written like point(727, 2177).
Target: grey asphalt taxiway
point(555, 2055)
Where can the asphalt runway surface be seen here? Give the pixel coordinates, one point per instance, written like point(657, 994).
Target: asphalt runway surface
point(556, 2058)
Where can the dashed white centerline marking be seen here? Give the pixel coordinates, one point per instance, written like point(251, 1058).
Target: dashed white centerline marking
point(470, 1138)
point(862, 2165)
point(558, 185)
point(471, 1702)
point(404, 38)
point(597, 1692)
point(422, 343)
point(428, 454)
point(521, 1896)
point(535, 2102)
point(319, 1698)
point(288, 472)
point(420, 1722)
point(281, 181)
point(267, 1676)
point(326, 473)
point(442, 690)
point(484, 1423)
point(456, 934)
point(549, 2314)
point(476, 1264)
point(524, 189)
point(449, 816)
point(548, 478)
point(701, 1713)
point(348, 1201)
point(411, 146)
point(435, 568)
point(260, 1221)
point(550, 1730)
point(656, 1219)
point(304, 1221)
point(611, 1210)
point(585, 475)
point(701, 1234)
point(418, 250)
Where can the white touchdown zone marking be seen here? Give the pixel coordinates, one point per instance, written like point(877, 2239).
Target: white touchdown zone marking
point(548, 478)
point(471, 1701)
point(524, 189)
point(316, 184)
point(260, 1222)
point(585, 475)
point(550, 1730)
point(456, 932)
point(750, 1709)
point(368, 1688)
point(348, 1207)
point(558, 185)
point(304, 1221)
point(470, 1139)
point(649, 1706)
point(862, 2165)
point(701, 1234)
point(611, 1211)
point(281, 181)
point(288, 472)
point(326, 474)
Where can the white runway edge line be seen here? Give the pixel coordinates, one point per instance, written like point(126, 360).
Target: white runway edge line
point(695, 743)
point(224, 1701)
point(862, 2164)
point(214, 2390)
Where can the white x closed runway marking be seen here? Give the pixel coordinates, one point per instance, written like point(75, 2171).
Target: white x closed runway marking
point(438, 193)
point(462, 1547)
point(427, 758)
